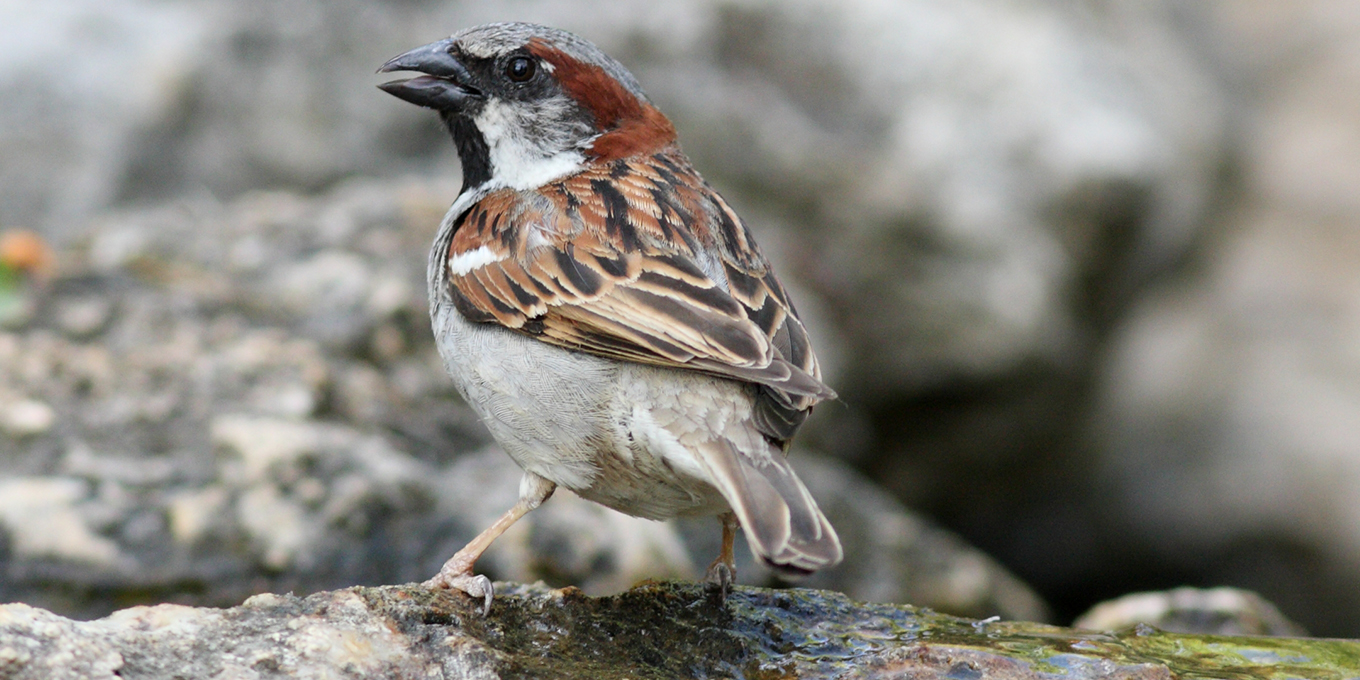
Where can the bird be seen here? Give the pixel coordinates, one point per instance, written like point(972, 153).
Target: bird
point(604, 310)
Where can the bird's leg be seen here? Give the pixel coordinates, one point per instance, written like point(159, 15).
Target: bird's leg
point(723, 571)
point(457, 572)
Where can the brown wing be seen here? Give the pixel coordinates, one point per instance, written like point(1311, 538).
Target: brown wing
point(639, 260)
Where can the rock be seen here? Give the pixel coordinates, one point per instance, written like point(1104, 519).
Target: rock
point(122, 65)
point(191, 513)
point(43, 519)
point(25, 417)
point(168, 422)
point(946, 178)
point(1225, 432)
point(655, 630)
point(1215, 611)
point(82, 318)
point(326, 291)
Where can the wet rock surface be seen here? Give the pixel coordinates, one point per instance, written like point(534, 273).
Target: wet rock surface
point(658, 630)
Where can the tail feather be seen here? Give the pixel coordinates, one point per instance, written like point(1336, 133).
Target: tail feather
point(782, 522)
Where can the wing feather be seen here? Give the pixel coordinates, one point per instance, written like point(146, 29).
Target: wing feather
point(615, 261)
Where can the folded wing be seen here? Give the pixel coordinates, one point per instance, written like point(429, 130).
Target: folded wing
point(620, 262)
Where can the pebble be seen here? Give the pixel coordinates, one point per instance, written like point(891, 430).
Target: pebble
point(83, 317)
point(26, 417)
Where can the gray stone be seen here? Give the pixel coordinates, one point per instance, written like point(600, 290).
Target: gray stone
point(43, 518)
point(948, 173)
point(83, 317)
point(25, 417)
point(1225, 434)
point(1212, 611)
point(80, 80)
point(654, 631)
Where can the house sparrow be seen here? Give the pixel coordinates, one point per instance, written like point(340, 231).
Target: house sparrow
point(603, 309)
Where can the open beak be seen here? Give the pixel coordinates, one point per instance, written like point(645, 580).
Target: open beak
point(446, 85)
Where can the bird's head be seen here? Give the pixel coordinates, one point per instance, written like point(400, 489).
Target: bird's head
point(528, 104)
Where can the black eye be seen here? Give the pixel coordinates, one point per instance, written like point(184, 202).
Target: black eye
point(520, 69)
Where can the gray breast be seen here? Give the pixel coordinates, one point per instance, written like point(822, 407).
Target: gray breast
point(546, 406)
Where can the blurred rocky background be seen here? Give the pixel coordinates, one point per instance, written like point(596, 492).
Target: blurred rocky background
point(1083, 273)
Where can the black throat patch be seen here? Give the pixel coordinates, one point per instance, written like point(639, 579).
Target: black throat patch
point(473, 152)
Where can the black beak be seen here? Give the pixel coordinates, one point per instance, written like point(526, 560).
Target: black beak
point(447, 85)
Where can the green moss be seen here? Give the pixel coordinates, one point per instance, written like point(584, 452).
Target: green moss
point(679, 630)
point(1211, 656)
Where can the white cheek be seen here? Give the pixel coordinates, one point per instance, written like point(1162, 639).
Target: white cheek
point(495, 123)
point(516, 162)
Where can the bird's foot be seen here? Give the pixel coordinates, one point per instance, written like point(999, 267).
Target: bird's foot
point(475, 585)
point(719, 578)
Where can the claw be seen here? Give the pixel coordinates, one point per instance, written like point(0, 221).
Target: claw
point(723, 571)
point(474, 585)
point(719, 578)
point(490, 591)
point(456, 574)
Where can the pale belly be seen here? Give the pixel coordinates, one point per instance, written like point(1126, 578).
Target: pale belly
point(612, 432)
